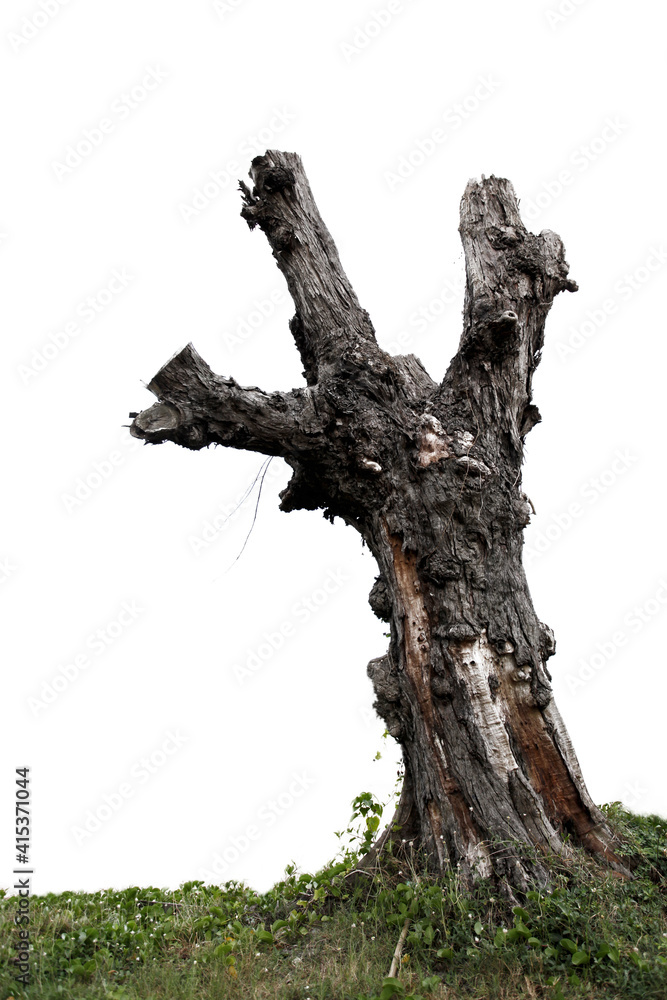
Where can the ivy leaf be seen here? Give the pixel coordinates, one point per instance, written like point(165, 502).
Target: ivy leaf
point(391, 987)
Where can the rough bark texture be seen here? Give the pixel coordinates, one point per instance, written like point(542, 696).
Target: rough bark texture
point(430, 475)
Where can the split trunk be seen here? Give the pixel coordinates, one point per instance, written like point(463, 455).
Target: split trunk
point(430, 476)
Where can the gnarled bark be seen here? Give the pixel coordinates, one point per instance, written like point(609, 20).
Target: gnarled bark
point(430, 475)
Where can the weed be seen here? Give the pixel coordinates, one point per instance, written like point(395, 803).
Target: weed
point(331, 936)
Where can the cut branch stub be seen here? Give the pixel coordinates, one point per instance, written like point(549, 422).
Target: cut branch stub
point(198, 408)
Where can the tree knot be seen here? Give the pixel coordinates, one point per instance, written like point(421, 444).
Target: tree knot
point(275, 179)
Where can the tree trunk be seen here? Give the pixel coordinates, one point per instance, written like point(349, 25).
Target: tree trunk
point(430, 475)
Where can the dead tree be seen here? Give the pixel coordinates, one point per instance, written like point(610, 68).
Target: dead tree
point(430, 475)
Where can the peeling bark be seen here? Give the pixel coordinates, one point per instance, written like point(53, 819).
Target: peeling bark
point(430, 475)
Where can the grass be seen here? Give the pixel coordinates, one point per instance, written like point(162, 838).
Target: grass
point(320, 936)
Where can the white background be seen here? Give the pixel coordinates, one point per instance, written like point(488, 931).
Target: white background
point(352, 100)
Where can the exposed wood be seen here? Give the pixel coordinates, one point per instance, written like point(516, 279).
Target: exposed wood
point(430, 475)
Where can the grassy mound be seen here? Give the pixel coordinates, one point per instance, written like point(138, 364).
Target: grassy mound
point(331, 936)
